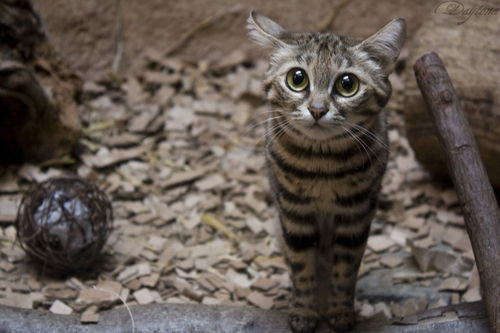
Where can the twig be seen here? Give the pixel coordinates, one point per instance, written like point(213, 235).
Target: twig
point(202, 25)
point(326, 23)
point(115, 67)
point(63, 160)
point(216, 224)
point(123, 301)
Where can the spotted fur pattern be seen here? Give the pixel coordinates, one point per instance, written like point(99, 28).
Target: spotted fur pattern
point(326, 173)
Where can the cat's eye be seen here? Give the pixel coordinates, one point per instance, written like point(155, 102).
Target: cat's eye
point(347, 85)
point(297, 80)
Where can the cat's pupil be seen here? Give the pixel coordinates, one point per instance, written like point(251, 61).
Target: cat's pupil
point(347, 82)
point(298, 77)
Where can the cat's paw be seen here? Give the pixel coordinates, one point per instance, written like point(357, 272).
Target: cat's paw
point(302, 324)
point(342, 321)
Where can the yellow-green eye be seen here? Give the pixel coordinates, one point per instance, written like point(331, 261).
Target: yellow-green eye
point(347, 85)
point(296, 79)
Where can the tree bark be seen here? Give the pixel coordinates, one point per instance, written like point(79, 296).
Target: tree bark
point(38, 115)
point(481, 213)
point(196, 318)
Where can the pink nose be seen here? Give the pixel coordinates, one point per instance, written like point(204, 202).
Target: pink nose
point(317, 110)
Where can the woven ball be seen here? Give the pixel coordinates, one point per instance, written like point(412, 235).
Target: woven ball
point(63, 223)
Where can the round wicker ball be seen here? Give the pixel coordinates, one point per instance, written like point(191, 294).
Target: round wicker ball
point(63, 223)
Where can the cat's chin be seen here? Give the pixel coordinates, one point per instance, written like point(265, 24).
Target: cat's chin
point(319, 132)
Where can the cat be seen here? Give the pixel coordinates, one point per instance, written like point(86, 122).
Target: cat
point(326, 153)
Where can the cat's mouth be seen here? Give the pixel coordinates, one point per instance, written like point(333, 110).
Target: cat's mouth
point(321, 128)
point(321, 131)
point(325, 126)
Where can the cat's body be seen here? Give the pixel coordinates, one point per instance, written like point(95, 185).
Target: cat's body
point(326, 154)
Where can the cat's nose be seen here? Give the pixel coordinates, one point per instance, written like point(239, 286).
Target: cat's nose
point(317, 110)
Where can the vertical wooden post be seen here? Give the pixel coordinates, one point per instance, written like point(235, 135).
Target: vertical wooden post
point(482, 216)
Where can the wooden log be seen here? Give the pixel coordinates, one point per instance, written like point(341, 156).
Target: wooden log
point(38, 116)
point(481, 213)
point(198, 318)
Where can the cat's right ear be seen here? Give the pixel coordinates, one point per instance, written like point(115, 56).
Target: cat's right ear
point(265, 31)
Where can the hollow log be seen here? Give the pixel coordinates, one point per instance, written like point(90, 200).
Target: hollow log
point(474, 190)
point(38, 116)
point(196, 318)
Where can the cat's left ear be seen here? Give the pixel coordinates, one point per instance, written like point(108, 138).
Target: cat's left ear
point(385, 45)
point(265, 31)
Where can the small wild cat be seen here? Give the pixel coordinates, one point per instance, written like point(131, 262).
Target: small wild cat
point(326, 154)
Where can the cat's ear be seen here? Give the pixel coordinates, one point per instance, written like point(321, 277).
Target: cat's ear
point(385, 45)
point(265, 31)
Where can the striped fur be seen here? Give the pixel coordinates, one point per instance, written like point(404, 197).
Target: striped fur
point(326, 173)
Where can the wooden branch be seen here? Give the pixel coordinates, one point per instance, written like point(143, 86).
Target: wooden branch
point(197, 318)
point(482, 216)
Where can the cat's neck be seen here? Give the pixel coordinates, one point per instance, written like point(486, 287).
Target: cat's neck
point(280, 131)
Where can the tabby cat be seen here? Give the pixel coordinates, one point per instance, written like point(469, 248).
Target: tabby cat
point(326, 152)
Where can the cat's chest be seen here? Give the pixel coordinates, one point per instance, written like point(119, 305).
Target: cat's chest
point(321, 188)
point(323, 191)
point(322, 179)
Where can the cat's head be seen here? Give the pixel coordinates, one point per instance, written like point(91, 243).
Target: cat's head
point(321, 83)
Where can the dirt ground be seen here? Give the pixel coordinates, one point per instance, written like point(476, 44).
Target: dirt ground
point(178, 148)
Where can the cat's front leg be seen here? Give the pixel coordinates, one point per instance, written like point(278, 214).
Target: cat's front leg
point(348, 249)
point(299, 250)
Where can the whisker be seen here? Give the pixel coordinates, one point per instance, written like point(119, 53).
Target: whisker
point(268, 130)
point(370, 149)
point(285, 125)
point(369, 134)
point(359, 142)
point(261, 122)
